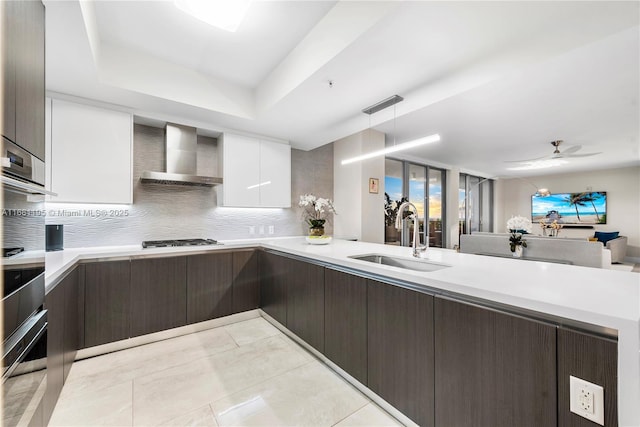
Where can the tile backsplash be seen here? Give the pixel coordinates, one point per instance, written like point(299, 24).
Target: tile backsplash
point(170, 212)
point(22, 222)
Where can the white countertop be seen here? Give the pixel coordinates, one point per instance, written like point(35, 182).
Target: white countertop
point(607, 298)
point(25, 259)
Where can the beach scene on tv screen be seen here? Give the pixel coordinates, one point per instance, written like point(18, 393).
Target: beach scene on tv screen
point(570, 208)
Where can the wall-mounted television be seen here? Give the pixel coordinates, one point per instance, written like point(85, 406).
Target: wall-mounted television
point(570, 208)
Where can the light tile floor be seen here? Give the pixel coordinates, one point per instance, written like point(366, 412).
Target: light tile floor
point(627, 266)
point(244, 374)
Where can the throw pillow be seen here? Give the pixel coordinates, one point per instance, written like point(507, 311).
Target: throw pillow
point(605, 237)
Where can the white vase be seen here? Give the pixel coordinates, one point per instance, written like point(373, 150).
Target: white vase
point(518, 252)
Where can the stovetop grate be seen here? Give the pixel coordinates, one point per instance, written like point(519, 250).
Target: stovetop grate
point(8, 252)
point(178, 242)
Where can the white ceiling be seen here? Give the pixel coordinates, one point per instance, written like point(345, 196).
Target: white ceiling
point(497, 80)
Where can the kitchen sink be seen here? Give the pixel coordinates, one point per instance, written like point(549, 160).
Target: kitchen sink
point(408, 263)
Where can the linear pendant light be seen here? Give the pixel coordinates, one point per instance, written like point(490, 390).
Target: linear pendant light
point(392, 100)
point(394, 148)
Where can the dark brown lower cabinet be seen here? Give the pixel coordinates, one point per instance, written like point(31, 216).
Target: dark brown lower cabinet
point(107, 302)
point(592, 359)
point(345, 340)
point(273, 286)
point(292, 292)
point(72, 310)
point(209, 286)
point(158, 294)
point(492, 368)
point(305, 301)
point(246, 281)
point(122, 299)
point(400, 349)
point(63, 333)
point(54, 302)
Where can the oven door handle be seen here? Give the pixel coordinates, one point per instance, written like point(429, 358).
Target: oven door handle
point(21, 187)
point(15, 348)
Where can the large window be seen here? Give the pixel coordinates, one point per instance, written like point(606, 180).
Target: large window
point(424, 187)
point(393, 180)
point(475, 204)
point(436, 207)
point(417, 196)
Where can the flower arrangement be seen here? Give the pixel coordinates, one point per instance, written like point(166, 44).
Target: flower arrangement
point(554, 227)
point(519, 224)
point(316, 209)
point(391, 209)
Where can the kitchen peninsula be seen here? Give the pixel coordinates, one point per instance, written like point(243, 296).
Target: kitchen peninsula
point(567, 301)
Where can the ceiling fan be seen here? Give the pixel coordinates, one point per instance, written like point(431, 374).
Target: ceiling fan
point(557, 154)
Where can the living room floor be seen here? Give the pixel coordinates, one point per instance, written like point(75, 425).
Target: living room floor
point(242, 374)
point(627, 266)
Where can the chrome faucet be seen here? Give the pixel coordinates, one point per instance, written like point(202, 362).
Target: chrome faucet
point(417, 249)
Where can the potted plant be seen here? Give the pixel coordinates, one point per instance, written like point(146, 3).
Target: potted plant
point(391, 234)
point(516, 243)
point(315, 212)
point(517, 226)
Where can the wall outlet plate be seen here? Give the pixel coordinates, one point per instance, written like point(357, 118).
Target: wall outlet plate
point(587, 399)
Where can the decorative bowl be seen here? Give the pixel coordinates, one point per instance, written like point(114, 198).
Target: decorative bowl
point(318, 240)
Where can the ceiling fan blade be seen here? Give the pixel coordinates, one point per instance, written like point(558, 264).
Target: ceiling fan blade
point(527, 160)
point(583, 155)
point(568, 153)
point(571, 149)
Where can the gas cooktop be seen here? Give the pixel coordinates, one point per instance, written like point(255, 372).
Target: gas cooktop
point(178, 242)
point(8, 252)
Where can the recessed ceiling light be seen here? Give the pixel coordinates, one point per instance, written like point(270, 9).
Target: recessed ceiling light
point(539, 164)
point(224, 14)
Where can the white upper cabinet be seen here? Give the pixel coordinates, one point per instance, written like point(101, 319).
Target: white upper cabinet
point(275, 175)
point(256, 173)
point(90, 154)
point(241, 170)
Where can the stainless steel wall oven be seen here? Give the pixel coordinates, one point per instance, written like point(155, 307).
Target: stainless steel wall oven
point(24, 358)
point(24, 339)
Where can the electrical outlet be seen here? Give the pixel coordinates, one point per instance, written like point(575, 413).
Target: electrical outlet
point(252, 230)
point(587, 399)
point(272, 229)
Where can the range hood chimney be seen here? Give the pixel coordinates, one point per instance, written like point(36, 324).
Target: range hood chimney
point(181, 150)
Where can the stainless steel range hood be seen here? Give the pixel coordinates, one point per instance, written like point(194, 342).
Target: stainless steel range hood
point(182, 154)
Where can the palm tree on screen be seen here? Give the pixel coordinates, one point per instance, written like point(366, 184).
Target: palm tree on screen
point(592, 197)
point(577, 199)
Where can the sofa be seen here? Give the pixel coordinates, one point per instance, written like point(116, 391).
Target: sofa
point(539, 248)
point(615, 243)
